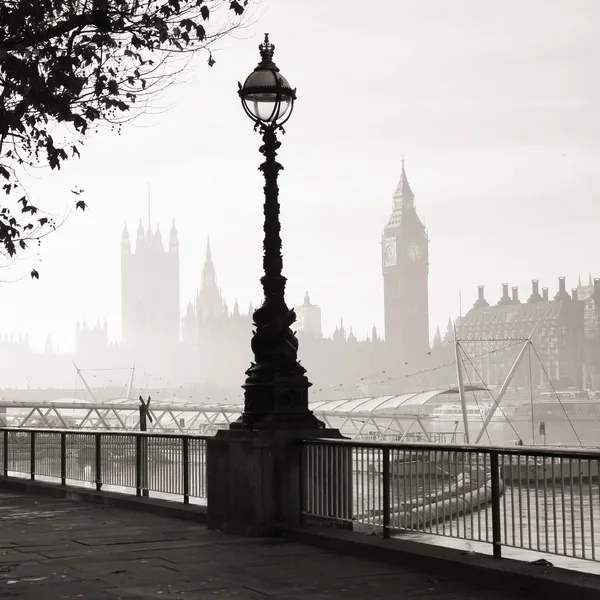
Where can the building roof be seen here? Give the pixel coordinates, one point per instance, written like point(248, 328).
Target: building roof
point(403, 193)
point(385, 404)
point(512, 314)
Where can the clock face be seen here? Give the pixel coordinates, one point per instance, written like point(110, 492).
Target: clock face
point(389, 253)
point(414, 251)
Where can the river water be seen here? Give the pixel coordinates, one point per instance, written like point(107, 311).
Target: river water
point(558, 518)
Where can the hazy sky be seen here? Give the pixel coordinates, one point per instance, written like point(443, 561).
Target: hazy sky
point(496, 106)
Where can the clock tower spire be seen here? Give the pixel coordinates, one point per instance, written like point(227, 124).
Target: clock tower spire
point(405, 265)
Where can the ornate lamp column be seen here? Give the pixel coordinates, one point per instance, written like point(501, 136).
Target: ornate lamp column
point(276, 389)
point(254, 468)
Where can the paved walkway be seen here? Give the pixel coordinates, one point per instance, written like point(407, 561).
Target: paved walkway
point(54, 549)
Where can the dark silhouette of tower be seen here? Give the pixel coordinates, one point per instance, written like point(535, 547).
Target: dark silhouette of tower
point(150, 289)
point(209, 303)
point(405, 265)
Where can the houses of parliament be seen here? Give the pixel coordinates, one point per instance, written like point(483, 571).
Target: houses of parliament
point(209, 344)
point(212, 338)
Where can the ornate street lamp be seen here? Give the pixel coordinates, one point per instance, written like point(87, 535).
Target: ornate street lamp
point(276, 387)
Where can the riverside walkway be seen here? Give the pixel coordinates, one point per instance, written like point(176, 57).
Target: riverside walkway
point(55, 549)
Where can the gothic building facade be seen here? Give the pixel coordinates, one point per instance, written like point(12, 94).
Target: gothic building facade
point(491, 336)
point(217, 338)
point(150, 289)
point(91, 339)
point(405, 266)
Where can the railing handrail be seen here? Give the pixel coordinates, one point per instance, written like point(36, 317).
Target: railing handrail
point(104, 432)
point(587, 453)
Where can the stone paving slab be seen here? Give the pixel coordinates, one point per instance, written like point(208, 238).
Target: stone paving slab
point(53, 549)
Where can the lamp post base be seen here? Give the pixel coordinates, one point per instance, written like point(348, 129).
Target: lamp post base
point(281, 404)
point(254, 479)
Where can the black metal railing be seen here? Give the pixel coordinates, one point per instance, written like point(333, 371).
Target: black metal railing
point(144, 463)
point(545, 500)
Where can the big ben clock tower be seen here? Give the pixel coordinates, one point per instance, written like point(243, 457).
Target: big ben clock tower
point(405, 265)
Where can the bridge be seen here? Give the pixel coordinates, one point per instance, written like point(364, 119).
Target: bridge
point(397, 417)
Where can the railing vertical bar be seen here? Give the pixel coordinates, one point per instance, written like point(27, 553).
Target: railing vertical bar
point(443, 487)
point(301, 486)
point(386, 493)
point(397, 481)
point(495, 485)
point(572, 507)
point(520, 499)
point(364, 482)
point(471, 456)
point(5, 452)
point(454, 458)
point(546, 503)
point(562, 504)
point(410, 490)
point(581, 508)
point(433, 477)
point(338, 476)
point(355, 475)
point(370, 481)
point(419, 501)
point(418, 472)
point(330, 478)
point(63, 458)
point(321, 480)
point(554, 506)
point(466, 465)
point(347, 483)
point(502, 474)
point(529, 474)
point(32, 454)
point(185, 463)
point(590, 487)
point(324, 466)
point(427, 515)
point(478, 496)
point(537, 499)
point(487, 500)
point(138, 465)
point(344, 483)
point(310, 473)
point(430, 466)
point(317, 485)
point(512, 501)
point(98, 461)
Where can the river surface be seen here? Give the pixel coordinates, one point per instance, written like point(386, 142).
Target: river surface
point(553, 517)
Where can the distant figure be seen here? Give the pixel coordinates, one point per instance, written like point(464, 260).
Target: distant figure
point(520, 443)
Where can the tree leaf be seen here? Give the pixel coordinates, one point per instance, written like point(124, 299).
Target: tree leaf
point(75, 66)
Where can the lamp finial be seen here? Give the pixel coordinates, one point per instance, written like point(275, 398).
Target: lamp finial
point(266, 54)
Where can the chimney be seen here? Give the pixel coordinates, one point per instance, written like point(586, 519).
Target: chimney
point(505, 297)
point(545, 294)
point(515, 295)
point(481, 301)
point(535, 292)
point(574, 294)
point(562, 293)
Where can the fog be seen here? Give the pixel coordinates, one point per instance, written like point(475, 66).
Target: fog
point(494, 108)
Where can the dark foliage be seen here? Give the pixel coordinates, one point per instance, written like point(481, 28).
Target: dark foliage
point(67, 66)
